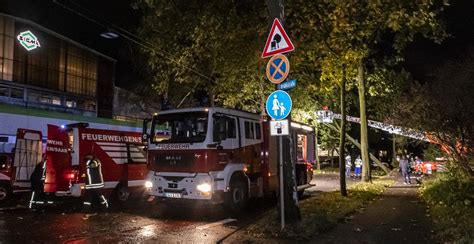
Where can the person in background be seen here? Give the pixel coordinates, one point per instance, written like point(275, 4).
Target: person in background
point(358, 167)
point(348, 165)
point(412, 162)
point(418, 170)
point(418, 166)
point(405, 169)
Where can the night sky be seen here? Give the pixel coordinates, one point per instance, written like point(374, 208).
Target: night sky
point(422, 57)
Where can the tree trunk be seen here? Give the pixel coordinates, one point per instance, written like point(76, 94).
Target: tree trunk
point(364, 143)
point(331, 155)
point(342, 139)
point(394, 151)
point(211, 97)
point(316, 142)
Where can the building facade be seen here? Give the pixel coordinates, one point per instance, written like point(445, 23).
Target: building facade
point(40, 69)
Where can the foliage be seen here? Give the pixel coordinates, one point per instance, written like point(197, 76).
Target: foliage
point(213, 48)
point(205, 46)
point(346, 38)
point(432, 152)
point(444, 108)
point(336, 35)
point(451, 201)
point(320, 212)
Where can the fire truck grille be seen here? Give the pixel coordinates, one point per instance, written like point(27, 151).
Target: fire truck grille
point(173, 178)
point(174, 160)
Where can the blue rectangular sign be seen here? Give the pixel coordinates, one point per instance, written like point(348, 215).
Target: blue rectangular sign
point(287, 85)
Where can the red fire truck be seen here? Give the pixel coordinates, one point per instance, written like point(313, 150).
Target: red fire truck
point(18, 158)
point(119, 152)
point(218, 155)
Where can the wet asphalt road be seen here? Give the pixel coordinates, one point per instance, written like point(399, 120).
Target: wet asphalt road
point(137, 221)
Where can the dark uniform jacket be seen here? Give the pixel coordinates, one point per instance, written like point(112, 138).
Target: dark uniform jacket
point(94, 175)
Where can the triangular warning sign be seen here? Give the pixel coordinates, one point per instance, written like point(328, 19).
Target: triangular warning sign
point(278, 41)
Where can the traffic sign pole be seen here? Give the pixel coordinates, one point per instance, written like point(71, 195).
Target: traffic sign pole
point(282, 189)
point(278, 42)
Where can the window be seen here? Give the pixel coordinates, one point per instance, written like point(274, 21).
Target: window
point(16, 93)
point(258, 131)
point(6, 48)
point(34, 97)
point(249, 132)
point(184, 127)
point(4, 91)
point(56, 65)
point(71, 104)
point(231, 130)
point(301, 148)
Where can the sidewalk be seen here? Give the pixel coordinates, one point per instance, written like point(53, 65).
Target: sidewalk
point(397, 216)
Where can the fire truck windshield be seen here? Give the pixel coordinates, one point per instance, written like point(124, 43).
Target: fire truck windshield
point(182, 127)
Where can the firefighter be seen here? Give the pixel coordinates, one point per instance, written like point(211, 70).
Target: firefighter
point(37, 185)
point(94, 184)
point(358, 167)
point(348, 165)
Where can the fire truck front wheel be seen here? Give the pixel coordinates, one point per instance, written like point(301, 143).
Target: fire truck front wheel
point(4, 192)
point(236, 198)
point(121, 192)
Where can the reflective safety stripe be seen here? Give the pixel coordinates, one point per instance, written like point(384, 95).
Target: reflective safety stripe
point(50, 202)
point(94, 186)
point(31, 200)
point(104, 201)
point(43, 176)
point(87, 203)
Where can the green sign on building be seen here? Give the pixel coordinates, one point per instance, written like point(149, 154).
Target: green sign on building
point(28, 40)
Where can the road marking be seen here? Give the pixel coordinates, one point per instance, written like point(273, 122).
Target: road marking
point(222, 222)
point(13, 208)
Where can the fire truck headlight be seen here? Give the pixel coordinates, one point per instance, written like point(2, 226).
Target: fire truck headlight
point(148, 184)
point(205, 187)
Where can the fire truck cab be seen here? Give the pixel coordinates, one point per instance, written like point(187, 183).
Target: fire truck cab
point(218, 155)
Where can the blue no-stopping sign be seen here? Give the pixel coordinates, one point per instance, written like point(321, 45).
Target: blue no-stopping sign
point(279, 105)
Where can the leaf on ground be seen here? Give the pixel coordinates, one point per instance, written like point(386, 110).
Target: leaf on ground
point(396, 229)
point(357, 229)
point(350, 217)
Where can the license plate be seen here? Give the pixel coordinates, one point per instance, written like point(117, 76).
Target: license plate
point(172, 195)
